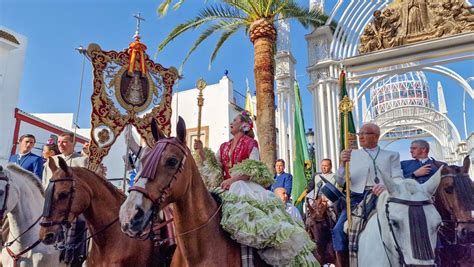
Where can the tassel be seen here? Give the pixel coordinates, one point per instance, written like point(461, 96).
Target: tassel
point(419, 237)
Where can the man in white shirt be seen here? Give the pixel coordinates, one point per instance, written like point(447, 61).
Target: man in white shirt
point(73, 159)
point(366, 166)
point(326, 172)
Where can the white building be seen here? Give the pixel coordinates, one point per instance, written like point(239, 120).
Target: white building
point(221, 104)
point(12, 58)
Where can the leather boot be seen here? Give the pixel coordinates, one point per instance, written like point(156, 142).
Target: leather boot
point(342, 259)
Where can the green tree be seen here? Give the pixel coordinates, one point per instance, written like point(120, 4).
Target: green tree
point(257, 18)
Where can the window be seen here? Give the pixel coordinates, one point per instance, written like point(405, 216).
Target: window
point(191, 135)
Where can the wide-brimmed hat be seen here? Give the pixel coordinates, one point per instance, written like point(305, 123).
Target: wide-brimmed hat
point(330, 191)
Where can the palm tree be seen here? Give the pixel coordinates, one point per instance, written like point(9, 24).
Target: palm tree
point(257, 18)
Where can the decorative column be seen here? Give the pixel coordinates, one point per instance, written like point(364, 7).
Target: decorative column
point(285, 79)
point(323, 74)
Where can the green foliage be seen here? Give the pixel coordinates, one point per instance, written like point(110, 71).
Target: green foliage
point(230, 16)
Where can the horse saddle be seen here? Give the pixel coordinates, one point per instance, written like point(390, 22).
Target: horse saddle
point(330, 191)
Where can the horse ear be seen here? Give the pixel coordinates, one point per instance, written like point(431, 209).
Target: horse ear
point(466, 164)
point(155, 131)
point(52, 164)
point(389, 183)
point(431, 185)
point(63, 166)
point(181, 130)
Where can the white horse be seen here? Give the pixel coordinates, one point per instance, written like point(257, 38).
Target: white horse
point(403, 231)
point(22, 199)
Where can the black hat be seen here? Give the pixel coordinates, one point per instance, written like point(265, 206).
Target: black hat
point(330, 191)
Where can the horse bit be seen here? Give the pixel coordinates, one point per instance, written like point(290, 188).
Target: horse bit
point(401, 258)
point(15, 256)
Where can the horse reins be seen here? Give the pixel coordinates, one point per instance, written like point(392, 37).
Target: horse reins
point(401, 258)
point(65, 222)
point(150, 172)
point(7, 245)
point(49, 199)
point(192, 230)
point(454, 221)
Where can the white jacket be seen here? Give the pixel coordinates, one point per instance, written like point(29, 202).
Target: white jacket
point(362, 172)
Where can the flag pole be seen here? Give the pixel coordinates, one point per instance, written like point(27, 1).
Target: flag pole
point(346, 106)
point(200, 84)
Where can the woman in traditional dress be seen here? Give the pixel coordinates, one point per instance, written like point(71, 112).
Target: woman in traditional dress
point(252, 215)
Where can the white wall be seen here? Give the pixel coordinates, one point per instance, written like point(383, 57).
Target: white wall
point(217, 111)
point(12, 58)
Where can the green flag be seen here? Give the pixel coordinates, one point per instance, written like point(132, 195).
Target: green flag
point(300, 150)
point(352, 131)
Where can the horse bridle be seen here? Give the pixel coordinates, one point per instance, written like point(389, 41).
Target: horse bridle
point(149, 170)
point(387, 214)
point(455, 221)
point(5, 178)
point(49, 195)
point(6, 245)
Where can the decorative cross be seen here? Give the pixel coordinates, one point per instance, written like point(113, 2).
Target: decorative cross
point(139, 19)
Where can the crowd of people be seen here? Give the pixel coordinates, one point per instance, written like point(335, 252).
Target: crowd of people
point(235, 165)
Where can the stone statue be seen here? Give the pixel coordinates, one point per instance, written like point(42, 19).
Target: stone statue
point(415, 17)
point(411, 21)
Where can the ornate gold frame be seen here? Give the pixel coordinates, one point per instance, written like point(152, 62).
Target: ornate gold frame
point(105, 113)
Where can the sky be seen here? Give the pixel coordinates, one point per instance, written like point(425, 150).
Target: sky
point(54, 28)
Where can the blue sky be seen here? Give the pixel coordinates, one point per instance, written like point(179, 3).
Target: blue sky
point(54, 28)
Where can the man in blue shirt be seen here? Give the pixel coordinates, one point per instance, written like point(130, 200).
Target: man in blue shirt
point(420, 168)
point(25, 158)
point(282, 179)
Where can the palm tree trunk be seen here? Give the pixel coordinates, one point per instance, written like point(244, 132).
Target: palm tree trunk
point(264, 71)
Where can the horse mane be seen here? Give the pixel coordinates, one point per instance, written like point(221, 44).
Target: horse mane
point(29, 175)
point(114, 190)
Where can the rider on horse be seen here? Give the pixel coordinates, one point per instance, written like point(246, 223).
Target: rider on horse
point(366, 166)
point(253, 216)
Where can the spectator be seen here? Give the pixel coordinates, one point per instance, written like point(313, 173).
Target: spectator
point(25, 158)
point(292, 210)
point(282, 179)
point(50, 150)
point(420, 168)
point(66, 146)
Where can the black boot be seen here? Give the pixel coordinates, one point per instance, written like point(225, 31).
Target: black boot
point(342, 259)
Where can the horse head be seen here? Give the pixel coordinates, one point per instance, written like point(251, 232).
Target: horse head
point(4, 191)
point(411, 238)
point(166, 175)
point(317, 218)
point(13, 181)
point(65, 199)
point(455, 196)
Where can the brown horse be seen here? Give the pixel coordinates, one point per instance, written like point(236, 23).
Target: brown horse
point(75, 191)
point(319, 224)
point(454, 200)
point(170, 175)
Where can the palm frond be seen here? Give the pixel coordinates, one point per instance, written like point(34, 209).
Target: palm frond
point(223, 25)
point(163, 7)
point(221, 41)
point(304, 16)
point(206, 15)
point(242, 5)
point(178, 5)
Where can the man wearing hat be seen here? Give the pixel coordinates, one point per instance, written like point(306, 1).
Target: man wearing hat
point(366, 166)
point(320, 179)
